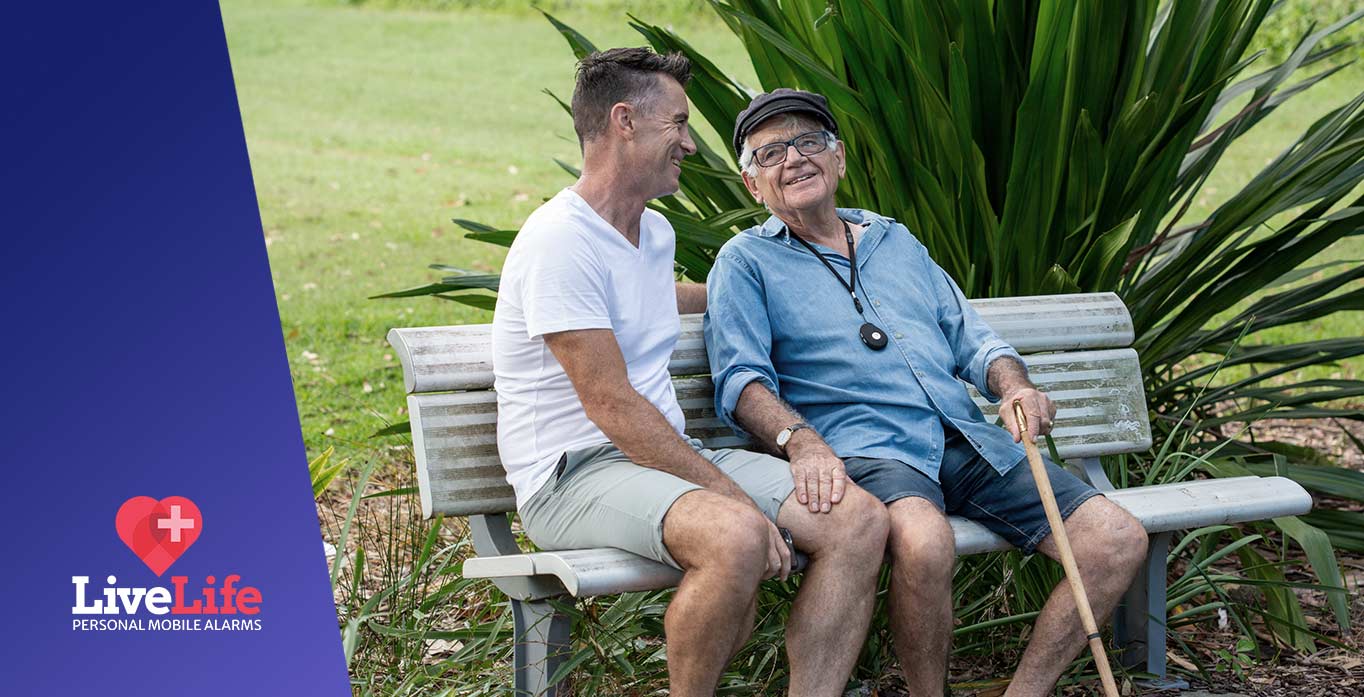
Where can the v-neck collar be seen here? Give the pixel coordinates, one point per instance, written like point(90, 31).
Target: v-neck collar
point(578, 201)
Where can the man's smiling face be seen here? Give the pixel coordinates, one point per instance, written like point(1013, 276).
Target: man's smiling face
point(800, 182)
point(662, 138)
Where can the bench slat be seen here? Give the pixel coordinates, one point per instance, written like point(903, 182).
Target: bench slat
point(1100, 405)
point(1180, 506)
point(449, 481)
point(1100, 411)
point(438, 359)
point(1177, 506)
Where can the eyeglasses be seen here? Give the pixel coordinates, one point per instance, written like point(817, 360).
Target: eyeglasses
point(807, 144)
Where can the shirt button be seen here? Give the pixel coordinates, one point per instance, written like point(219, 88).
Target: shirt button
point(876, 303)
point(898, 335)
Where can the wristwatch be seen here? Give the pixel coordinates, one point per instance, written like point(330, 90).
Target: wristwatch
point(784, 435)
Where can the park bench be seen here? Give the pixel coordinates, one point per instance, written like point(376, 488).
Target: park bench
point(1076, 348)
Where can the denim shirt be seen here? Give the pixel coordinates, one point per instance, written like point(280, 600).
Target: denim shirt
point(778, 316)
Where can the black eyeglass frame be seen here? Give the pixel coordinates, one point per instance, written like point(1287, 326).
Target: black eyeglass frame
point(823, 144)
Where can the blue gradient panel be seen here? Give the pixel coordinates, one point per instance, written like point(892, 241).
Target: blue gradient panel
point(144, 357)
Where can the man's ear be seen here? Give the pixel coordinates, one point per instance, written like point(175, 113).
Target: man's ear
point(752, 185)
point(623, 120)
point(841, 158)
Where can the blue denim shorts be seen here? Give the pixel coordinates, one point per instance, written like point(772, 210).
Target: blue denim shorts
point(968, 486)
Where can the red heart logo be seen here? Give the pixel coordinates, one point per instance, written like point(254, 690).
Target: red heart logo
point(158, 532)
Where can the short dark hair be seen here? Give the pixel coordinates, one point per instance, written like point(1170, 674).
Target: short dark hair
point(607, 78)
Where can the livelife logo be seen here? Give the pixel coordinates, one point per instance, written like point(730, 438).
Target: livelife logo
point(159, 532)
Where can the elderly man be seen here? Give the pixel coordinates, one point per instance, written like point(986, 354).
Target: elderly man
point(833, 335)
point(589, 428)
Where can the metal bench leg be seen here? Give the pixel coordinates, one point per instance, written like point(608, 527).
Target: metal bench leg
point(542, 645)
point(1139, 622)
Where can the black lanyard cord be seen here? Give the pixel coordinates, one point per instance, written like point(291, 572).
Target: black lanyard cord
point(871, 335)
point(851, 284)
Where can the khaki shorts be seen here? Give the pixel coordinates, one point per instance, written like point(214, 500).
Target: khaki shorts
point(599, 498)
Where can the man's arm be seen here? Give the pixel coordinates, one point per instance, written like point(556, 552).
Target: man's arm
point(984, 359)
point(1008, 377)
point(592, 360)
point(818, 473)
point(691, 298)
point(739, 346)
point(595, 366)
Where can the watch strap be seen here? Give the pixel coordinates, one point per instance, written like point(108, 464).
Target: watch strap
point(784, 436)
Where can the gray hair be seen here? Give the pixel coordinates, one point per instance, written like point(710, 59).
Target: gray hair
point(787, 121)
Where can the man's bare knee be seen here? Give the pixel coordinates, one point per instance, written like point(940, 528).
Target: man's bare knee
point(706, 530)
point(868, 522)
point(857, 525)
point(1102, 532)
point(920, 536)
point(863, 514)
point(1124, 538)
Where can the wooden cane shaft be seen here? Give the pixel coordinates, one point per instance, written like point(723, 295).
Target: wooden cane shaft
point(1096, 647)
point(1058, 531)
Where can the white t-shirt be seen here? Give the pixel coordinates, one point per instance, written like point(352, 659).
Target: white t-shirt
point(570, 269)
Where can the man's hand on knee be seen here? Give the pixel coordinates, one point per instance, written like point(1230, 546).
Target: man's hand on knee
point(818, 473)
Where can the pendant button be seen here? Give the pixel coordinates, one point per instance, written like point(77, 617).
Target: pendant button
point(872, 336)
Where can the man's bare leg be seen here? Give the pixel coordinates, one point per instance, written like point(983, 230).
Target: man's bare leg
point(722, 544)
point(832, 611)
point(923, 551)
point(1109, 546)
point(746, 631)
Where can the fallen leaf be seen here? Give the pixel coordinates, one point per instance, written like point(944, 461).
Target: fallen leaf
point(1181, 661)
point(443, 647)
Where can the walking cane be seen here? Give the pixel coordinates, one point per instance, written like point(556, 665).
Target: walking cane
point(1058, 528)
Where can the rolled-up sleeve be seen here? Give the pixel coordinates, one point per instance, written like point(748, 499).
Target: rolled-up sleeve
point(738, 334)
point(973, 343)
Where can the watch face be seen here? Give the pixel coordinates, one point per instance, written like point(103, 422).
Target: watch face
point(783, 437)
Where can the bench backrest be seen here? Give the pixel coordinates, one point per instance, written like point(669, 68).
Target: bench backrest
point(1074, 345)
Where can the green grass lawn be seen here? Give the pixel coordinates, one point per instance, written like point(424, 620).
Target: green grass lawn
point(369, 129)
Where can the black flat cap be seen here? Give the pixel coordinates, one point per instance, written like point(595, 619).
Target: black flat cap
point(781, 101)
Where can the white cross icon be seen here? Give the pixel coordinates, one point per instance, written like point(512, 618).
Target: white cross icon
point(175, 523)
